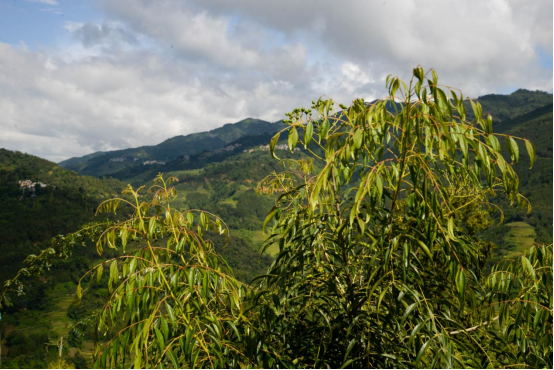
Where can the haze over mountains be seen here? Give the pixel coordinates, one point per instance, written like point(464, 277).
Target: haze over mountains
point(109, 163)
point(501, 107)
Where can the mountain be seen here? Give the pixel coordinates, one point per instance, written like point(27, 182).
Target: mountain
point(518, 103)
point(38, 200)
point(230, 157)
point(108, 163)
point(535, 183)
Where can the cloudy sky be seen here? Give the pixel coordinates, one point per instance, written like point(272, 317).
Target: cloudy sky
point(78, 76)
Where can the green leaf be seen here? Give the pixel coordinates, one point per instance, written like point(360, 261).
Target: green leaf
point(79, 291)
point(528, 266)
point(454, 97)
point(461, 284)
point(347, 363)
point(114, 276)
point(379, 184)
point(324, 129)
point(488, 125)
point(419, 74)
point(531, 151)
point(422, 351)
point(394, 87)
point(348, 349)
point(308, 134)
point(493, 142)
point(408, 311)
point(191, 279)
point(99, 271)
point(190, 218)
point(204, 220)
point(269, 217)
point(160, 338)
point(272, 144)
point(293, 138)
point(165, 327)
point(132, 266)
point(358, 137)
point(170, 313)
point(425, 249)
point(151, 225)
point(415, 331)
point(450, 227)
point(138, 360)
point(173, 359)
point(513, 148)
point(477, 110)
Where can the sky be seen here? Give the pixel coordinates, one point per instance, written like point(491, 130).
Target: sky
point(79, 76)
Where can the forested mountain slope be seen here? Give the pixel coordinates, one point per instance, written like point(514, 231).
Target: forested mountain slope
point(520, 229)
point(518, 103)
point(38, 200)
point(108, 163)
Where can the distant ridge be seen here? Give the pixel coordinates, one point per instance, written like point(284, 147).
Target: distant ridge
point(107, 163)
point(501, 107)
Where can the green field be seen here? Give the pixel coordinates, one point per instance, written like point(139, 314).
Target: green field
point(256, 238)
point(520, 237)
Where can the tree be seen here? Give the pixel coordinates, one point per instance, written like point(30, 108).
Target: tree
point(379, 265)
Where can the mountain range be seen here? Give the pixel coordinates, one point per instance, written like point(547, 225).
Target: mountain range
point(109, 163)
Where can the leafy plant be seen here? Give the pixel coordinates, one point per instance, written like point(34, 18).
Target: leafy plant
point(171, 304)
point(378, 263)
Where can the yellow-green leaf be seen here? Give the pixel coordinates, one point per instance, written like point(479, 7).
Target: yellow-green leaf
point(272, 144)
point(293, 138)
point(308, 134)
point(513, 148)
point(531, 151)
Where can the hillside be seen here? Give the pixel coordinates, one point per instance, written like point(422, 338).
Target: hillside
point(520, 229)
point(39, 200)
point(109, 163)
point(518, 103)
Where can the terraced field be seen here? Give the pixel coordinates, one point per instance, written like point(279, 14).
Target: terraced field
point(520, 237)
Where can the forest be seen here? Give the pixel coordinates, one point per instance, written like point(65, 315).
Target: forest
point(411, 231)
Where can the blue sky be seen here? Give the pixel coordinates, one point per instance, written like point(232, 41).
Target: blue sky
point(37, 23)
point(78, 76)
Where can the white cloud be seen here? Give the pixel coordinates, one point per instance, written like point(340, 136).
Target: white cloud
point(155, 69)
point(104, 103)
point(480, 45)
point(47, 2)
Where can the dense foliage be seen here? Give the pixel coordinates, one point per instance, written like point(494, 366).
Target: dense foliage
point(378, 263)
point(55, 201)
